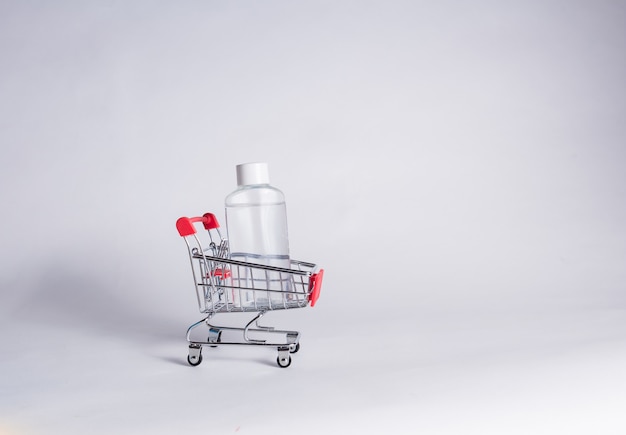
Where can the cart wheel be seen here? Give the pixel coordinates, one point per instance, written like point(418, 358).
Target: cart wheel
point(284, 361)
point(295, 348)
point(195, 355)
point(217, 340)
point(194, 360)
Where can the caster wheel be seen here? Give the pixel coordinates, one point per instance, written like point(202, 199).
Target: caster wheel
point(295, 348)
point(218, 339)
point(195, 355)
point(194, 360)
point(283, 362)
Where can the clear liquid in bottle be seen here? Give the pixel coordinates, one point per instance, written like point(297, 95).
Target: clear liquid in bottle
point(256, 221)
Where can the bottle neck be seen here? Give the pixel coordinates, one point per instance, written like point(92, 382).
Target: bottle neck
point(242, 186)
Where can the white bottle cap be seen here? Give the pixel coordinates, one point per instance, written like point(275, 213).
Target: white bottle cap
point(252, 173)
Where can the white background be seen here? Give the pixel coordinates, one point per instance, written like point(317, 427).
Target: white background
point(457, 168)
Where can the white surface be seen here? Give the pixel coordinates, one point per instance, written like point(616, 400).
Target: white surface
point(456, 168)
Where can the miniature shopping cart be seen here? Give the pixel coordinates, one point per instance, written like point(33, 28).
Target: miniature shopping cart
point(235, 283)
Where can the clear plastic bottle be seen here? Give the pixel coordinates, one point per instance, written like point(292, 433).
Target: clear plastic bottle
point(256, 222)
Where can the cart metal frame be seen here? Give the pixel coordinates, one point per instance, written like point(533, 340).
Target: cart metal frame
point(226, 284)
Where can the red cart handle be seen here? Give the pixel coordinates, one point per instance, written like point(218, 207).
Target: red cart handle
point(185, 227)
point(315, 282)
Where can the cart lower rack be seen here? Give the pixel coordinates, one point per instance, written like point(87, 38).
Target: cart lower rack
point(237, 283)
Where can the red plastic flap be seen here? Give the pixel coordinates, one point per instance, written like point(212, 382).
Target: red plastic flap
point(316, 283)
point(210, 221)
point(222, 273)
point(185, 228)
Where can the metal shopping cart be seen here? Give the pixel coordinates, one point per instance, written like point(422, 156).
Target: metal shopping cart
point(228, 283)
